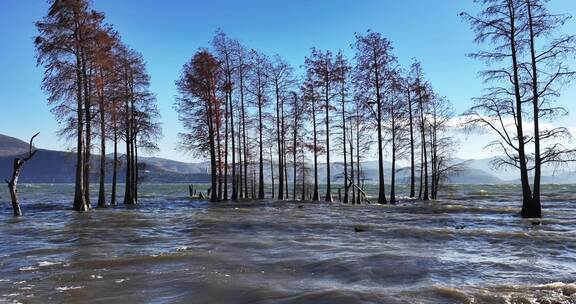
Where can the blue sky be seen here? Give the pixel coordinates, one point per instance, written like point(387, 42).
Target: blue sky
point(168, 32)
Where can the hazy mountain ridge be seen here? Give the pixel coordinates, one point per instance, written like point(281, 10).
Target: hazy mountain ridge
point(12, 146)
point(58, 167)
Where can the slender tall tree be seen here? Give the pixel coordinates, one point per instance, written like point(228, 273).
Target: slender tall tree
point(197, 105)
point(309, 95)
point(515, 28)
point(260, 82)
point(322, 72)
point(62, 44)
point(374, 60)
point(342, 75)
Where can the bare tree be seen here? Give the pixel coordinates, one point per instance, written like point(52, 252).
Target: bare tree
point(281, 77)
point(395, 111)
point(515, 28)
point(373, 61)
point(260, 82)
point(197, 106)
point(322, 74)
point(342, 75)
point(310, 96)
point(61, 45)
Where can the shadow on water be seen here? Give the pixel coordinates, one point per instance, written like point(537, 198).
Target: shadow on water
point(468, 248)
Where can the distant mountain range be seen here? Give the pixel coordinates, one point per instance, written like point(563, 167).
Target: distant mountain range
point(58, 167)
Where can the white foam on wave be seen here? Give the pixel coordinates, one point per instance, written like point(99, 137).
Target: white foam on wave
point(182, 248)
point(48, 263)
point(65, 288)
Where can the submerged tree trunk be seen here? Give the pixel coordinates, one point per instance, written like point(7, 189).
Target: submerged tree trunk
point(358, 200)
point(279, 142)
point(219, 151)
point(393, 180)
point(381, 189)
point(234, 176)
point(412, 164)
point(244, 146)
point(344, 147)
point(272, 172)
point(225, 193)
point(128, 199)
point(294, 164)
point(424, 153)
point(328, 196)
point(533, 207)
point(114, 165)
point(351, 168)
point(527, 202)
point(88, 131)
point(101, 190)
point(261, 161)
point(315, 195)
point(79, 198)
point(240, 161)
point(13, 182)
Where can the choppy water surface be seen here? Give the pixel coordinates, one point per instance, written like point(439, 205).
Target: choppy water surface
point(173, 250)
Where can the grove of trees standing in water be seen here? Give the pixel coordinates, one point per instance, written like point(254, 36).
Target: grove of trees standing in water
point(335, 101)
point(239, 106)
point(98, 89)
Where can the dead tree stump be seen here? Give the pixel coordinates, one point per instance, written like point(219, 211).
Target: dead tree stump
point(13, 182)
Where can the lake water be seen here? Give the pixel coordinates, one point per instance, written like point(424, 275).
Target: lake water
point(470, 247)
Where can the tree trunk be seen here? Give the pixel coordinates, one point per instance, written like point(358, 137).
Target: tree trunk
point(101, 190)
point(234, 176)
point(534, 208)
point(527, 202)
point(344, 147)
point(226, 113)
point(115, 165)
point(128, 199)
point(211, 139)
point(88, 131)
point(219, 151)
point(279, 141)
point(261, 162)
point(393, 181)
point(315, 195)
point(351, 142)
point(245, 147)
point(13, 182)
point(294, 164)
point(412, 165)
point(424, 153)
point(272, 172)
point(358, 152)
point(13, 185)
point(241, 161)
point(381, 189)
point(79, 198)
point(328, 196)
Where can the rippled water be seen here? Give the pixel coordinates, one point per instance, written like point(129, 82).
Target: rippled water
point(468, 248)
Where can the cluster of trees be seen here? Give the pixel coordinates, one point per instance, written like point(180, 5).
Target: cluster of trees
point(239, 107)
point(528, 67)
point(99, 91)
